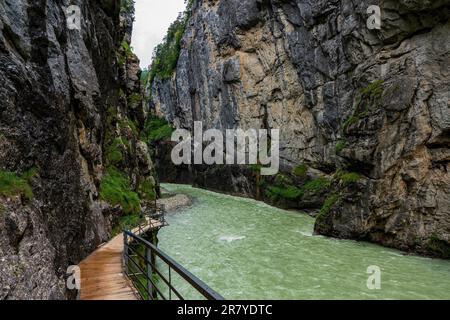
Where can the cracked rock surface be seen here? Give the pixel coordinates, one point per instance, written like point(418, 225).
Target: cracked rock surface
point(314, 70)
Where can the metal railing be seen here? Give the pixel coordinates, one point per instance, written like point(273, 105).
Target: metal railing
point(143, 270)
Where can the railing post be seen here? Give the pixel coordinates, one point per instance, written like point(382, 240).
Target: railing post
point(125, 252)
point(148, 259)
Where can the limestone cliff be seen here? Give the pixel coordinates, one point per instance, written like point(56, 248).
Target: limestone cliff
point(70, 115)
point(364, 114)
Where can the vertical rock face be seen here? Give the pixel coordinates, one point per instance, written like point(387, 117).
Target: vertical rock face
point(375, 103)
point(63, 96)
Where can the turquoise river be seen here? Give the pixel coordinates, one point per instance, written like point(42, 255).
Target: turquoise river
point(245, 249)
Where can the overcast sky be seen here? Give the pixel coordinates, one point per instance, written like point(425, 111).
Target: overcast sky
point(153, 18)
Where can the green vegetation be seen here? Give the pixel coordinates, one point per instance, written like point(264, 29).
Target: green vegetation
point(147, 190)
point(369, 97)
point(255, 168)
point(284, 188)
point(301, 170)
point(126, 54)
point(135, 99)
point(127, 6)
point(283, 192)
point(340, 146)
point(347, 178)
point(115, 189)
point(328, 205)
point(166, 54)
point(114, 152)
point(317, 185)
point(157, 129)
point(12, 184)
point(127, 222)
point(373, 90)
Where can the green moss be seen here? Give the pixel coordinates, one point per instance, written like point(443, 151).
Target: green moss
point(347, 178)
point(368, 98)
point(115, 189)
point(255, 167)
point(115, 152)
point(12, 184)
point(134, 99)
point(352, 120)
point(317, 185)
point(288, 192)
point(373, 90)
point(301, 170)
point(147, 190)
point(127, 222)
point(2, 210)
point(340, 146)
point(329, 203)
point(131, 125)
point(283, 180)
point(158, 129)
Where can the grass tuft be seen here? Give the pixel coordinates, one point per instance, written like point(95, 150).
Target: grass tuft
point(115, 189)
point(12, 184)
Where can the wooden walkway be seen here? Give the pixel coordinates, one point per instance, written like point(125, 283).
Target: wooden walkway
point(102, 274)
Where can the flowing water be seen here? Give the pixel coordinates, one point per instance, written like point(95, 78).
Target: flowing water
point(246, 249)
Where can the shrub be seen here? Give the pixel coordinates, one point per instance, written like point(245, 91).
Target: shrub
point(115, 189)
point(13, 185)
point(340, 146)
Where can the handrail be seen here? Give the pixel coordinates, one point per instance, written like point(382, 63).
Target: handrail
point(152, 250)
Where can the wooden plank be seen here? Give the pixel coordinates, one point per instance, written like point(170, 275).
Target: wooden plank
point(102, 275)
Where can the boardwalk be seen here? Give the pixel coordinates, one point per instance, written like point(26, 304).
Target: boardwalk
point(102, 275)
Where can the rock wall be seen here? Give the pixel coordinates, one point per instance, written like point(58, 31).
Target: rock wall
point(64, 95)
point(367, 112)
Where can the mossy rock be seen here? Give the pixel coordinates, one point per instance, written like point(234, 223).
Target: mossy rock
point(340, 146)
point(115, 188)
point(329, 203)
point(147, 190)
point(12, 184)
point(301, 170)
point(347, 178)
point(438, 247)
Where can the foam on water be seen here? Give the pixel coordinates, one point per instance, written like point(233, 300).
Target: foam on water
point(231, 238)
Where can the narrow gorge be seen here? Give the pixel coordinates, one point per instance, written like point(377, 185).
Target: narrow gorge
point(364, 113)
point(86, 151)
